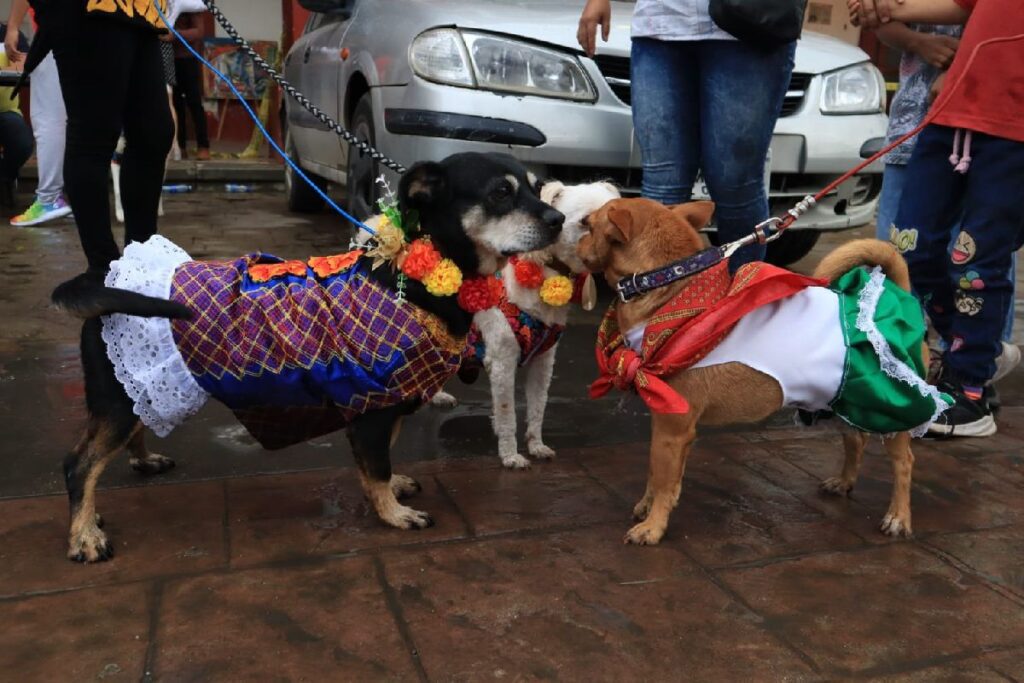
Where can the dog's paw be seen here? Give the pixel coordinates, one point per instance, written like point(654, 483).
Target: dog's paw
point(444, 401)
point(893, 525)
point(642, 509)
point(153, 463)
point(644, 533)
point(90, 545)
point(835, 486)
point(515, 462)
point(403, 486)
point(538, 450)
point(403, 517)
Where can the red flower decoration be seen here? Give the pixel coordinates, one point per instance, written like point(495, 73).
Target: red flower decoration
point(262, 272)
point(479, 294)
point(528, 273)
point(420, 259)
point(325, 266)
point(497, 288)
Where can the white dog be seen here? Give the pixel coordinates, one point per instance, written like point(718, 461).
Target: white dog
point(504, 350)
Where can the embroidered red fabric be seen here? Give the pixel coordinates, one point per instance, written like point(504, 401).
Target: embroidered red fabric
point(686, 329)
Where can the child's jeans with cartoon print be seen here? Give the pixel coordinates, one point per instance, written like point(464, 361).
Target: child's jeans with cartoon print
point(965, 290)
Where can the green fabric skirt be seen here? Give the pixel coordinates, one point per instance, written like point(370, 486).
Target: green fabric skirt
point(883, 388)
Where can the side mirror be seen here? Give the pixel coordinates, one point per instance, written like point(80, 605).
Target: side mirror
point(328, 6)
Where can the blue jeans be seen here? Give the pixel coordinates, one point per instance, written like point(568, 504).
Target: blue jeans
point(711, 105)
point(893, 180)
point(966, 291)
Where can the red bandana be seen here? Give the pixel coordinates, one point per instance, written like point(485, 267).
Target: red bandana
point(686, 329)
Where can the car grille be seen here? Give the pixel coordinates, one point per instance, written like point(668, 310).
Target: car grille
point(616, 72)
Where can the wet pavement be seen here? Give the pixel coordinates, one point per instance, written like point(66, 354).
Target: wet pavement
point(245, 565)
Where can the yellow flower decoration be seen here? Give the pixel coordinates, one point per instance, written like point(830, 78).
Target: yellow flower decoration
point(556, 291)
point(444, 280)
point(390, 242)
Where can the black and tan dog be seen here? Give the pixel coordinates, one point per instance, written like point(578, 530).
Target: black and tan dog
point(629, 236)
point(476, 209)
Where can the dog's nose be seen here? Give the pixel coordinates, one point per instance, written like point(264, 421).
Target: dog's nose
point(553, 218)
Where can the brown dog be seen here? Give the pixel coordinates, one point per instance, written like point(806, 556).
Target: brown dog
point(629, 236)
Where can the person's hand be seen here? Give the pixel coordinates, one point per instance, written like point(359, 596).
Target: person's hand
point(936, 89)
point(936, 50)
point(596, 12)
point(14, 55)
point(871, 13)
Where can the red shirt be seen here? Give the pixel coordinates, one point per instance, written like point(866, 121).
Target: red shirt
point(990, 99)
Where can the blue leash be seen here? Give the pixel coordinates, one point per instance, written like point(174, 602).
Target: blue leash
point(256, 119)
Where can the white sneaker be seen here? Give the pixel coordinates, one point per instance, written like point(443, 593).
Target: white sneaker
point(1006, 361)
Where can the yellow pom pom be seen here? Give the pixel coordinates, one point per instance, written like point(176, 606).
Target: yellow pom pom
point(556, 291)
point(444, 280)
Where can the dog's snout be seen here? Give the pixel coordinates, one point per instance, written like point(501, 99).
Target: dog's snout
point(553, 218)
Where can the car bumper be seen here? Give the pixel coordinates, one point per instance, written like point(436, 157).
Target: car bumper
point(581, 141)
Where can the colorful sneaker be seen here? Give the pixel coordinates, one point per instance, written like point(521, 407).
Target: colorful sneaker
point(40, 213)
point(965, 417)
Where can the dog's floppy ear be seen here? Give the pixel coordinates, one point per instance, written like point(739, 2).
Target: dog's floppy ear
point(550, 191)
point(424, 184)
point(697, 214)
point(622, 224)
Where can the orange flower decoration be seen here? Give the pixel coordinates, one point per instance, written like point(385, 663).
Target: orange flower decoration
point(263, 272)
point(420, 259)
point(528, 273)
point(325, 266)
point(478, 294)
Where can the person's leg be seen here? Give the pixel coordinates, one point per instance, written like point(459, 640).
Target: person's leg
point(94, 62)
point(49, 126)
point(16, 140)
point(148, 129)
point(980, 262)
point(192, 87)
point(928, 211)
point(665, 117)
point(741, 94)
point(181, 104)
point(1008, 325)
point(893, 178)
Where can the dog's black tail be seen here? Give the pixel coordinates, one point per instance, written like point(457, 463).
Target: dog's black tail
point(85, 296)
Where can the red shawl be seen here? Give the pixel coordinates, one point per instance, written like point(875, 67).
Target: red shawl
point(686, 329)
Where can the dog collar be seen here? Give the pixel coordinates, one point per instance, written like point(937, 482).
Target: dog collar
point(629, 288)
point(632, 286)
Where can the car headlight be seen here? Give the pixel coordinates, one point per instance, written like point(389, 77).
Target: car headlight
point(858, 89)
point(491, 62)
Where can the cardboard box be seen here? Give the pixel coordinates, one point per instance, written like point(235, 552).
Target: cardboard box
point(831, 18)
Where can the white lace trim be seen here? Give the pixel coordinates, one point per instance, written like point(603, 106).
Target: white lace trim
point(146, 359)
point(867, 303)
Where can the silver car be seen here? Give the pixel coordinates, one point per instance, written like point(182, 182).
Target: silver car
point(423, 79)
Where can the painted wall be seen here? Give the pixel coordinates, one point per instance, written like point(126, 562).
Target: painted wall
point(254, 19)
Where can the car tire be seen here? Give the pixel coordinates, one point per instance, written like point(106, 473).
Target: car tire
point(301, 197)
point(791, 246)
point(361, 191)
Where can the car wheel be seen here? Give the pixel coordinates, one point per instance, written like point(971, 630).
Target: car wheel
point(361, 171)
point(301, 197)
point(791, 246)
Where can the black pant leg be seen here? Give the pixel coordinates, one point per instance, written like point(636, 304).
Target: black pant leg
point(94, 62)
point(148, 131)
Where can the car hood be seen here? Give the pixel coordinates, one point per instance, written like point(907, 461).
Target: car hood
point(554, 22)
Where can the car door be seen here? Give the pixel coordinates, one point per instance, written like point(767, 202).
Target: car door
point(314, 65)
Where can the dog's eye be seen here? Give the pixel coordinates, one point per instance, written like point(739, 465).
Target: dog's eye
point(502, 191)
point(586, 223)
